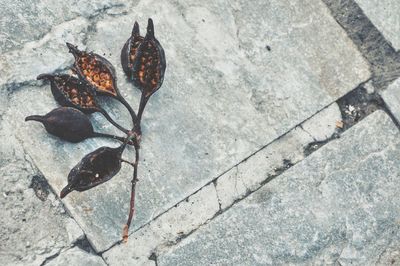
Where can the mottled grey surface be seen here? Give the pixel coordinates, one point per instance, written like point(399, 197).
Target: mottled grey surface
point(33, 222)
point(385, 14)
point(24, 21)
point(391, 96)
point(238, 76)
point(339, 205)
point(76, 256)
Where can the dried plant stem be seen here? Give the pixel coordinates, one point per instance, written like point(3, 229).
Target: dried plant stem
point(108, 117)
point(104, 135)
point(130, 110)
point(142, 105)
point(132, 201)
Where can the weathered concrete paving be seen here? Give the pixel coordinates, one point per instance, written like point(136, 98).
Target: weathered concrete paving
point(226, 94)
point(339, 205)
point(385, 14)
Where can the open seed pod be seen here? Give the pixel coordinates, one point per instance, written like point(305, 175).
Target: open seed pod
point(128, 52)
point(149, 63)
point(70, 91)
point(66, 123)
point(94, 169)
point(97, 71)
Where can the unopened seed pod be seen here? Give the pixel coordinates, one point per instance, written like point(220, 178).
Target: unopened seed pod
point(149, 63)
point(70, 91)
point(66, 123)
point(94, 169)
point(97, 71)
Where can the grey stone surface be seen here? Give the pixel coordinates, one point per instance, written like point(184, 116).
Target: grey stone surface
point(339, 206)
point(33, 222)
point(385, 14)
point(76, 256)
point(224, 97)
point(24, 21)
point(391, 96)
point(166, 229)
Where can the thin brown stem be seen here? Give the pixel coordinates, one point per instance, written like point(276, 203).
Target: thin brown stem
point(142, 105)
point(132, 201)
point(130, 110)
point(104, 135)
point(108, 117)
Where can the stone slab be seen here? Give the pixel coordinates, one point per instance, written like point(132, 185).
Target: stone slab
point(225, 96)
point(338, 206)
point(238, 182)
point(25, 21)
point(385, 15)
point(391, 96)
point(76, 256)
point(33, 222)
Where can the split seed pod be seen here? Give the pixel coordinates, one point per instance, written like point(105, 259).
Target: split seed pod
point(94, 169)
point(97, 71)
point(66, 123)
point(129, 51)
point(70, 91)
point(149, 63)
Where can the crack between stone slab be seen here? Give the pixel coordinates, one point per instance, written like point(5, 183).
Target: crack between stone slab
point(215, 179)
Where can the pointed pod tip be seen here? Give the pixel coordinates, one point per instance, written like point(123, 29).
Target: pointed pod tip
point(38, 118)
point(150, 28)
point(65, 191)
point(45, 76)
point(136, 30)
point(73, 48)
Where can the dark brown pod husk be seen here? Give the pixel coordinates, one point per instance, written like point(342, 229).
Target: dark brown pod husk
point(128, 52)
point(149, 65)
point(71, 92)
point(66, 123)
point(94, 169)
point(97, 71)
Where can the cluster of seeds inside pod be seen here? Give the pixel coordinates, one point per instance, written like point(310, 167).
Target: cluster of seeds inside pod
point(96, 73)
point(149, 71)
point(134, 46)
point(76, 92)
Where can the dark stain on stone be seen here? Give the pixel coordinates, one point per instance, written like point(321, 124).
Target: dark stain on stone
point(40, 186)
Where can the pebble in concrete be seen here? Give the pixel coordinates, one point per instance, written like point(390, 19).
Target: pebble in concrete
point(339, 205)
point(225, 96)
point(385, 15)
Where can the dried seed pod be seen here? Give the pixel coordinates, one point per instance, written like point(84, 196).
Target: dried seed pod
point(70, 91)
point(97, 71)
point(94, 169)
point(149, 65)
point(66, 123)
point(128, 52)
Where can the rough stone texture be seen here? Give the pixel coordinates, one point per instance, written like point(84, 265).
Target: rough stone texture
point(166, 230)
point(33, 223)
point(391, 97)
point(385, 14)
point(269, 162)
point(383, 58)
point(323, 125)
point(76, 256)
point(226, 95)
point(235, 184)
point(24, 21)
point(339, 205)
